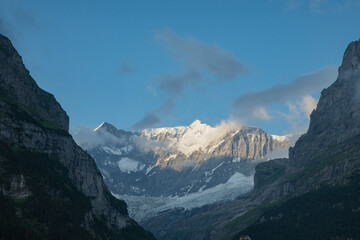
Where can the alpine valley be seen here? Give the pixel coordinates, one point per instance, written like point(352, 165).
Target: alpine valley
point(223, 182)
point(196, 182)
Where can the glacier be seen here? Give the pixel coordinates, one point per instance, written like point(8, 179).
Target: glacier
point(141, 207)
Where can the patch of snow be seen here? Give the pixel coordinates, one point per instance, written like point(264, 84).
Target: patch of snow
point(212, 171)
point(216, 145)
point(112, 151)
point(235, 133)
point(149, 168)
point(152, 174)
point(141, 167)
point(189, 189)
point(135, 189)
point(108, 162)
point(207, 180)
point(96, 129)
point(280, 138)
point(127, 148)
point(172, 156)
point(128, 165)
point(202, 188)
point(104, 173)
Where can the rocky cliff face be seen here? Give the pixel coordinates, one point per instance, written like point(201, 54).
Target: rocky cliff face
point(33, 125)
point(323, 164)
point(17, 86)
point(336, 118)
point(327, 152)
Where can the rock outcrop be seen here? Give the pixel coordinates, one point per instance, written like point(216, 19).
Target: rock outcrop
point(327, 152)
point(324, 162)
point(33, 125)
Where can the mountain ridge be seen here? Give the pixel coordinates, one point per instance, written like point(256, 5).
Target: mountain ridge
point(197, 129)
point(174, 167)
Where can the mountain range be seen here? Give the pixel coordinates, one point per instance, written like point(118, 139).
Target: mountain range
point(179, 167)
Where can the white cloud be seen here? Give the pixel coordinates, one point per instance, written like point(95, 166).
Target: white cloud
point(262, 114)
point(307, 105)
point(199, 56)
point(128, 165)
point(299, 113)
point(88, 139)
point(296, 90)
point(294, 118)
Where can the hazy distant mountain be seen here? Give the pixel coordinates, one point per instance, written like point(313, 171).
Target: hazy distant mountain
point(177, 166)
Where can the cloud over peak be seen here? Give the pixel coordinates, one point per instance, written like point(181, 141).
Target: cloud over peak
point(196, 58)
point(152, 118)
point(251, 105)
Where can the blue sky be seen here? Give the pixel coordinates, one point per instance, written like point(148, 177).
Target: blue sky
point(148, 63)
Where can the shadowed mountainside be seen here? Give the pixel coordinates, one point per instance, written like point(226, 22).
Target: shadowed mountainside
point(49, 187)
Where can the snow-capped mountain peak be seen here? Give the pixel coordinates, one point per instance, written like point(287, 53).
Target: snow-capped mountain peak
point(195, 123)
point(105, 126)
point(189, 139)
point(180, 161)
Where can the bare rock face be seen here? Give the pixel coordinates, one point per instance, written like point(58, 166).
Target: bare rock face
point(17, 86)
point(336, 118)
point(17, 189)
point(327, 152)
point(249, 143)
point(32, 120)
